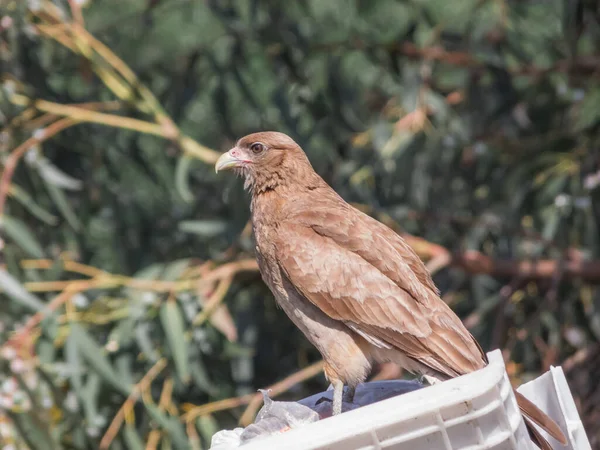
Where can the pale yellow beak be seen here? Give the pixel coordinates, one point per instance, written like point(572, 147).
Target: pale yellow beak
point(227, 161)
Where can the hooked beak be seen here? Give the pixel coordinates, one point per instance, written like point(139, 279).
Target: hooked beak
point(228, 161)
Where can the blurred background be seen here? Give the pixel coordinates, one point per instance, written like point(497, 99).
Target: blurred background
point(132, 314)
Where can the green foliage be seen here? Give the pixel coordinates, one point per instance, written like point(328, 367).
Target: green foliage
point(471, 124)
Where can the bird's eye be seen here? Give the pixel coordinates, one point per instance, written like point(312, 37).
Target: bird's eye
point(257, 148)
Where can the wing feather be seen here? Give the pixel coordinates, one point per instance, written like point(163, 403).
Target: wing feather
point(360, 272)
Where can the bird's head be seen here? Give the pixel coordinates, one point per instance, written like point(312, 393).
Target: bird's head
point(267, 160)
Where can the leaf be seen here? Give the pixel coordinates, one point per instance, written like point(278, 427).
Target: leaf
point(553, 187)
point(173, 326)
point(572, 23)
point(204, 228)
point(236, 350)
point(31, 430)
point(124, 366)
point(72, 357)
point(174, 270)
point(15, 290)
point(29, 203)
point(20, 233)
point(182, 184)
point(46, 352)
point(151, 272)
point(200, 376)
point(93, 354)
point(143, 339)
point(589, 110)
point(221, 319)
point(140, 299)
point(132, 438)
point(54, 176)
point(171, 425)
point(89, 396)
point(552, 219)
point(123, 332)
point(62, 203)
point(208, 426)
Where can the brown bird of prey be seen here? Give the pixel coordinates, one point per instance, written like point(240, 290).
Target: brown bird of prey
point(353, 286)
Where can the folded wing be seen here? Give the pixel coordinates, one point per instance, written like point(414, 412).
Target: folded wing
point(360, 272)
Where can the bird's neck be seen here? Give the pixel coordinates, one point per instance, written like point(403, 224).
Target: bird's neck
point(290, 175)
point(269, 205)
point(273, 204)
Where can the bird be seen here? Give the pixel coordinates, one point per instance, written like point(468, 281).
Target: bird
point(352, 285)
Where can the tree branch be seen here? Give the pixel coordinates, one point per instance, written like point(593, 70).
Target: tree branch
point(582, 65)
point(475, 262)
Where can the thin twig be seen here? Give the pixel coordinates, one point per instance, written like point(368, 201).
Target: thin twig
point(71, 266)
point(73, 288)
point(193, 437)
point(224, 270)
point(121, 80)
point(108, 280)
point(275, 390)
point(127, 406)
point(17, 154)
point(153, 440)
point(87, 115)
point(76, 12)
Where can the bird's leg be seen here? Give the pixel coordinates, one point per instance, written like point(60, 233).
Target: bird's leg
point(338, 392)
point(348, 396)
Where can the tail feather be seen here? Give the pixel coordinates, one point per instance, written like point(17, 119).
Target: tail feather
point(535, 415)
point(535, 436)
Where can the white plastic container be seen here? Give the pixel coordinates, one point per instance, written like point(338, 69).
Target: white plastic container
point(473, 412)
point(551, 393)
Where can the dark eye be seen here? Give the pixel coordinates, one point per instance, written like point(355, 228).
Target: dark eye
point(257, 148)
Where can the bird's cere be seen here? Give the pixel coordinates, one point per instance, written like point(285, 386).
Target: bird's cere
point(229, 160)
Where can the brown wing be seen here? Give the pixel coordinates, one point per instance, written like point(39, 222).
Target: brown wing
point(360, 272)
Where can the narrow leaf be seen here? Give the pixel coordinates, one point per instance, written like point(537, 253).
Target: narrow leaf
point(72, 356)
point(89, 396)
point(173, 326)
point(171, 425)
point(62, 203)
point(221, 319)
point(208, 426)
point(20, 233)
point(93, 354)
point(182, 178)
point(15, 290)
point(31, 430)
point(552, 218)
point(29, 203)
point(205, 228)
point(132, 438)
point(151, 272)
point(589, 110)
point(174, 270)
point(200, 375)
point(53, 175)
point(144, 340)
